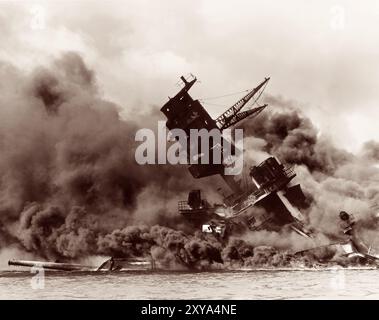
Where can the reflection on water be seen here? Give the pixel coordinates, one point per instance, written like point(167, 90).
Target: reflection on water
point(339, 284)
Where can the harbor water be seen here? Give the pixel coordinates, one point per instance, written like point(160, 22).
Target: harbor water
point(243, 284)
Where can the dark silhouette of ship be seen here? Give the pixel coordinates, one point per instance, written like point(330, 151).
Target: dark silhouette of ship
point(270, 203)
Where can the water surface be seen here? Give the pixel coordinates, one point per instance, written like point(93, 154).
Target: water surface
point(261, 284)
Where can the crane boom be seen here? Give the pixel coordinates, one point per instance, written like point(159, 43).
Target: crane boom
point(223, 120)
point(243, 115)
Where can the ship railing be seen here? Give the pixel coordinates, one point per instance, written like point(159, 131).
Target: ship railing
point(289, 172)
point(275, 185)
point(183, 205)
point(258, 193)
point(250, 200)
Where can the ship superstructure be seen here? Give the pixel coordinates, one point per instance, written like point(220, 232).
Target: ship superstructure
point(279, 201)
point(183, 112)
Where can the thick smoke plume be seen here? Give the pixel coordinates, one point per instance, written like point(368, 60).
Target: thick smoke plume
point(371, 151)
point(67, 167)
point(70, 186)
point(332, 178)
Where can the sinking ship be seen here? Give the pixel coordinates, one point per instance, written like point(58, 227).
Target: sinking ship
point(272, 201)
point(271, 188)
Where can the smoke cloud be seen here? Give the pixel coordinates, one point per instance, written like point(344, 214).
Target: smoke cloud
point(70, 187)
point(67, 168)
point(332, 178)
point(371, 150)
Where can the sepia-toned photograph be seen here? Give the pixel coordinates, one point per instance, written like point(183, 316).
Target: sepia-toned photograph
point(185, 150)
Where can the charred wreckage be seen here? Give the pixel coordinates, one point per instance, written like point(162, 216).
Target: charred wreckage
point(270, 201)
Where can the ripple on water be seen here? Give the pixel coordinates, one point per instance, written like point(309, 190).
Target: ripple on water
point(264, 284)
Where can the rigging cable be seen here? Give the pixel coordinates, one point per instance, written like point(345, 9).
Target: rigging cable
point(203, 100)
point(259, 95)
point(225, 95)
point(214, 104)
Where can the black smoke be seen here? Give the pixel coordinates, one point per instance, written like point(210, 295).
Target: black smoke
point(70, 186)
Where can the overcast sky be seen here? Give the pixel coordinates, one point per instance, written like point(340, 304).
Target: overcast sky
point(321, 54)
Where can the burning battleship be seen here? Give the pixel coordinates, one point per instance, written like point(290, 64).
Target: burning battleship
point(271, 190)
point(271, 201)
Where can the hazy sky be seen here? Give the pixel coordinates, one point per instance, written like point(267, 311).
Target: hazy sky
point(321, 54)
